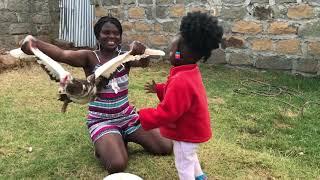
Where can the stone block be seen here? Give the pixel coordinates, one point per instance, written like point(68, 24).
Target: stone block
point(20, 5)
point(41, 18)
point(158, 27)
point(291, 46)
point(198, 8)
point(285, 1)
point(164, 2)
point(145, 1)
point(279, 27)
point(110, 2)
point(158, 40)
point(310, 30)
point(171, 26)
point(279, 12)
point(273, 62)
point(260, 1)
point(143, 26)
point(177, 11)
point(301, 11)
point(161, 12)
point(20, 28)
point(128, 2)
point(316, 2)
point(128, 38)
point(262, 12)
point(261, 44)
point(218, 56)
point(40, 6)
point(8, 17)
point(4, 28)
point(314, 48)
point(233, 41)
point(127, 26)
point(307, 65)
point(136, 13)
point(43, 29)
point(194, 1)
point(149, 13)
point(245, 27)
point(100, 11)
point(233, 1)
point(230, 12)
point(4, 4)
point(240, 59)
point(116, 12)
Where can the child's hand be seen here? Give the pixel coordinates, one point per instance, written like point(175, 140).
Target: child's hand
point(137, 48)
point(150, 87)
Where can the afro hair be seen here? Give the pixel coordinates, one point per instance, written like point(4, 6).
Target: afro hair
point(201, 33)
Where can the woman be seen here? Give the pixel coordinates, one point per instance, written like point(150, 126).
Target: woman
point(111, 121)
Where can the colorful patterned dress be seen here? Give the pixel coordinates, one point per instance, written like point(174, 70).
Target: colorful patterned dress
point(110, 112)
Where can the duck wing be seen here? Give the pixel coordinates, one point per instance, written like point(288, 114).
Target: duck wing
point(53, 68)
point(108, 68)
point(19, 54)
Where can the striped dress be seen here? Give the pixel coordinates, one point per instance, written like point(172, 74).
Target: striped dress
point(110, 112)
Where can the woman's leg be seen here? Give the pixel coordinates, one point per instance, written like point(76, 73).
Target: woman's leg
point(112, 152)
point(151, 141)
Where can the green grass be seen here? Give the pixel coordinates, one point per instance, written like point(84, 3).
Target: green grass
point(255, 137)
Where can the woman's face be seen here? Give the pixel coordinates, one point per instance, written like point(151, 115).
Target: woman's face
point(110, 36)
point(173, 48)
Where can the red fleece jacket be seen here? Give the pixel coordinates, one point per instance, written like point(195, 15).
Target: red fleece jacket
point(182, 113)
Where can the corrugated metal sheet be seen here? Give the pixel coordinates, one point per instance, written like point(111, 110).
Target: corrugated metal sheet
point(76, 22)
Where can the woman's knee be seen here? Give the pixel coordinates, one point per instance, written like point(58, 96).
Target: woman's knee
point(116, 165)
point(164, 148)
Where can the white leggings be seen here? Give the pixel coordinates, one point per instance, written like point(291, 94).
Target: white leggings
point(186, 160)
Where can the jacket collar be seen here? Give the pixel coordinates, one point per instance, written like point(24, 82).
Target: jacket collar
point(176, 69)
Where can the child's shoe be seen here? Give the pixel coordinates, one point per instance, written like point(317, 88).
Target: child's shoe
point(202, 177)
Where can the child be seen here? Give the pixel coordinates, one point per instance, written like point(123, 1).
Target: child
point(182, 114)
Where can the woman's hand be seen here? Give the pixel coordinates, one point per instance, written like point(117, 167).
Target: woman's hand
point(150, 87)
point(26, 43)
point(137, 48)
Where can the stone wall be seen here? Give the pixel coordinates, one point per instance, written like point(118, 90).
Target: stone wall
point(266, 34)
point(21, 17)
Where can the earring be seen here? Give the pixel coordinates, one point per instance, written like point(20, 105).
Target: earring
point(177, 55)
point(98, 46)
point(118, 49)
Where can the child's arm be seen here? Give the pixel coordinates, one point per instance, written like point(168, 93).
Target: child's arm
point(175, 103)
point(160, 90)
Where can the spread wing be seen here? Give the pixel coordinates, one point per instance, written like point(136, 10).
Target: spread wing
point(109, 67)
point(19, 54)
point(54, 69)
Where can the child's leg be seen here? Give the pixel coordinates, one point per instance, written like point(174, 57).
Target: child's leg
point(197, 167)
point(185, 159)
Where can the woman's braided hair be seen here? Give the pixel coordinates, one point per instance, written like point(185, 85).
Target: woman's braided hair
point(201, 33)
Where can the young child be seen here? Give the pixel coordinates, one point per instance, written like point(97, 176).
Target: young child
point(182, 114)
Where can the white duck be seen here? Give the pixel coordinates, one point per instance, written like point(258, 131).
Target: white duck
point(77, 90)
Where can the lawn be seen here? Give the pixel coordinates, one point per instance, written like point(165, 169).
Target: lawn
point(259, 129)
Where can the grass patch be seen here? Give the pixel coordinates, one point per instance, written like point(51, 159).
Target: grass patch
point(254, 136)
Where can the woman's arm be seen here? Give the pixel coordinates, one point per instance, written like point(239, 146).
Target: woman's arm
point(77, 58)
